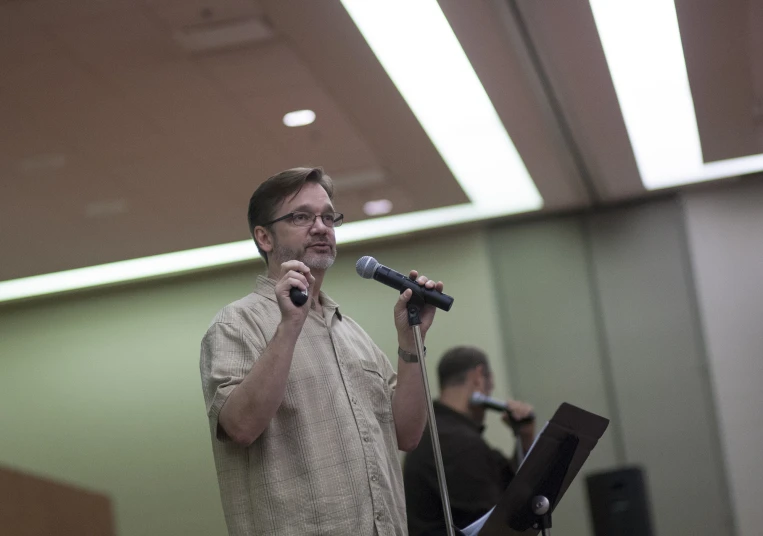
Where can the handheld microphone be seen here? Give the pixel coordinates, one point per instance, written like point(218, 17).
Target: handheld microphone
point(480, 399)
point(369, 268)
point(298, 296)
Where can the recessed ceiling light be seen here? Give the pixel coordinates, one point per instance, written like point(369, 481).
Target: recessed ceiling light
point(649, 74)
point(299, 118)
point(378, 207)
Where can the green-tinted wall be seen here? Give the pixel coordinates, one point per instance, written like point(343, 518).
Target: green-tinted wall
point(601, 312)
point(102, 389)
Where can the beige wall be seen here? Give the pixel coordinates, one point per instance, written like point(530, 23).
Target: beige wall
point(725, 230)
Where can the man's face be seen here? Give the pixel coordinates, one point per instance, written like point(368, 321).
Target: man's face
point(485, 382)
point(489, 384)
point(314, 245)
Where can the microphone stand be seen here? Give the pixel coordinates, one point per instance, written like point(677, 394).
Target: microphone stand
point(414, 307)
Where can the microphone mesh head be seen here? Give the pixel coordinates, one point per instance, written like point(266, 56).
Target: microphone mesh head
point(366, 266)
point(477, 398)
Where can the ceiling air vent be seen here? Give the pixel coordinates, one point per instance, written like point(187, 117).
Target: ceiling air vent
point(222, 34)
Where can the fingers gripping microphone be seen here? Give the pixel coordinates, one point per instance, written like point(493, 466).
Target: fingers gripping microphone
point(368, 268)
point(480, 399)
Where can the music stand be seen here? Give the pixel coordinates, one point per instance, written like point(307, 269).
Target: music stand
point(549, 467)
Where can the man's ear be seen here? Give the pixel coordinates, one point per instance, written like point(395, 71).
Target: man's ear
point(477, 376)
point(474, 375)
point(264, 238)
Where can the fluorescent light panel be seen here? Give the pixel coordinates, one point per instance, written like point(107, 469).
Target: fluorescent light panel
point(417, 47)
point(129, 270)
point(219, 255)
point(642, 45)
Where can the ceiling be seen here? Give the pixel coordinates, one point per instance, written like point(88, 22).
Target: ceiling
point(121, 136)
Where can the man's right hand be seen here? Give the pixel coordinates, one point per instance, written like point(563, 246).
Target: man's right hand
point(293, 274)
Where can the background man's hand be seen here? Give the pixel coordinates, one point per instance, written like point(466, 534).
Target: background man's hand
point(519, 411)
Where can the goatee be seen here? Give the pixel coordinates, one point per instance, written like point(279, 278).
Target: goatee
point(313, 260)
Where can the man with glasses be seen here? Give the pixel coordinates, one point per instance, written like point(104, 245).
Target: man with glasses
point(305, 411)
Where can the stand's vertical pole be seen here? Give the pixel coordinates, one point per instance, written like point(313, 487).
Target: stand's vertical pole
point(541, 507)
point(414, 321)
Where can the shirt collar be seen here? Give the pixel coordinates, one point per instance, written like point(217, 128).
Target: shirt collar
point(266, 288)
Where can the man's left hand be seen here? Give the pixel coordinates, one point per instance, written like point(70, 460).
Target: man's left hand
point(519, 411)
point(404, 331)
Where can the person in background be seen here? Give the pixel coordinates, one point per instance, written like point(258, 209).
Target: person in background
point(476, 473)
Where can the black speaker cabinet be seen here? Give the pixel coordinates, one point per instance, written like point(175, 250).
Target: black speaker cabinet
point(619, 503)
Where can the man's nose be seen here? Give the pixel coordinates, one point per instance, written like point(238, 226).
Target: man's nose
point(318, 227)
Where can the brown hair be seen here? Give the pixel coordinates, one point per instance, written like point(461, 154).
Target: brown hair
point(457, 361)
point(270, 195)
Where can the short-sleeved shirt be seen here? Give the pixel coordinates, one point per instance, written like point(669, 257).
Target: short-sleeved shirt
point(476, 475)
point(327, 463)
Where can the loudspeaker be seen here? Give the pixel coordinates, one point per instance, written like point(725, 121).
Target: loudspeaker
point(618, 503)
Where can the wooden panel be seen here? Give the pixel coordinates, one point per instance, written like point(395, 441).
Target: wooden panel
point(33, 506)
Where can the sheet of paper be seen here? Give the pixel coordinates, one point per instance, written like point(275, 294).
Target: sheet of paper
point(531, 446)
point(474, 528)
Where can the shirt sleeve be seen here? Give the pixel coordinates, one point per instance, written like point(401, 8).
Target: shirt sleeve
point(227, 355)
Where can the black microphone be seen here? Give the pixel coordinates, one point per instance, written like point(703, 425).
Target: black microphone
point(298, 296)
point(368, 268)
point(481, 399)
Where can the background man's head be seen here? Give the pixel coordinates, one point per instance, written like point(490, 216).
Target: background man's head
point(467, 368)
point(275, 196)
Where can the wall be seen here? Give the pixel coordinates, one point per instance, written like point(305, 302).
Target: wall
point(102, 390)
point(599, 311)
point(550, 330)
point(658, 364)
point(725, 229)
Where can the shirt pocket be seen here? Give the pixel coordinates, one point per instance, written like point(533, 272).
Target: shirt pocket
point(375, 391)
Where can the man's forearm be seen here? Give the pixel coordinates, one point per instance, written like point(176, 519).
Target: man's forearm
point(409, 405)
point(526, 440)
point(253, 403)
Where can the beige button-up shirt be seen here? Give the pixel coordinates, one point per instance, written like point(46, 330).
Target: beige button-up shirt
point(328, 461)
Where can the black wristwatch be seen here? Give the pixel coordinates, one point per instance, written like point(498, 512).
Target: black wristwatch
point(409, 357)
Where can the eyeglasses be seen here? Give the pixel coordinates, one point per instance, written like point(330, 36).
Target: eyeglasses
point(307, 219)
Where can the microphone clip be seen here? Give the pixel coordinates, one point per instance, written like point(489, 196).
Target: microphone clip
point(414, 306)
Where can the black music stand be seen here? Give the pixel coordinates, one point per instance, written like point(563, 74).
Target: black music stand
point(552, 463)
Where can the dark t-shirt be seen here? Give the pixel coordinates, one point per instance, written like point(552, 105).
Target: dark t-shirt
point(476, 475)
